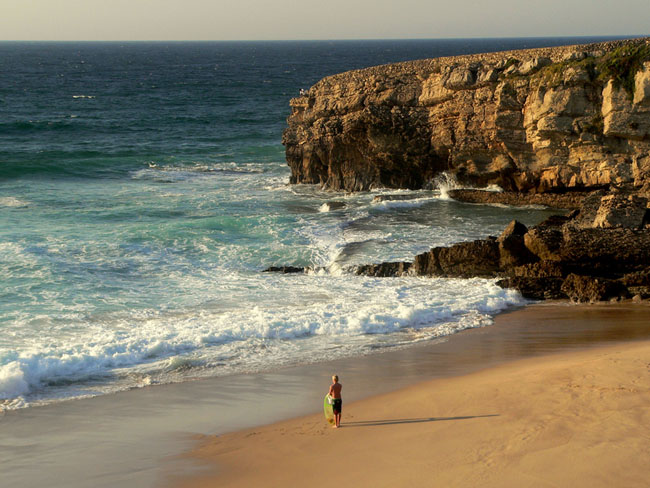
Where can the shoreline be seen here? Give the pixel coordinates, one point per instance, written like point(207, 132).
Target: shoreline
point(507, 342)
point(136, 438)
point(580, 416)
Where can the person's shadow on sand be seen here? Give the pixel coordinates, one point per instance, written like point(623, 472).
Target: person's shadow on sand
point(374, 423)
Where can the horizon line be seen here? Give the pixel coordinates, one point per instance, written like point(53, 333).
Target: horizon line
point(619, 36)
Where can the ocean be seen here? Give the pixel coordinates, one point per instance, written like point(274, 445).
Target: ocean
point(143, 190)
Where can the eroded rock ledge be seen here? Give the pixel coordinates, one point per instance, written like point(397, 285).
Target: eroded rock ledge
point(599, 252)
point(532, 121)
point(567, 200)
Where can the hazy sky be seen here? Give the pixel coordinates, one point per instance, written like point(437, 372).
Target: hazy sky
point(317, 19)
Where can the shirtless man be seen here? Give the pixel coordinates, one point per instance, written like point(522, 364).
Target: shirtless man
point(335, 393)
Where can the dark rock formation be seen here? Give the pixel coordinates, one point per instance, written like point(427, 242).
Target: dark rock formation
point(384, 269)
point(465, 259)
point(284, 269)
point(638, 283)
point(542, 288)
point(589, 289)
point(616, 211)
point(512, 246)
point(544, 240)
point(569, 200)
point(567, 256)
point(427, 264)
point(394, 198)
point(535, 121)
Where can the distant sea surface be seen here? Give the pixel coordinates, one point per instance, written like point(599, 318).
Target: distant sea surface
point(143, 189)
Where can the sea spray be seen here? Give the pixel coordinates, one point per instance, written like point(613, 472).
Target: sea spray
point(445, 182)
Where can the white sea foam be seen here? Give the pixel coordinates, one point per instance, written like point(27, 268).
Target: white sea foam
point(13, 202)
point(276, 184)
point(315, 309)
point(445, 182)
point(411, 203)
point(171, 173)
point(13, 384)
point(13, 254)
point(493, 188)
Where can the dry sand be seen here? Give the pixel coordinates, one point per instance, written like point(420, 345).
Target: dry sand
point(578, 419)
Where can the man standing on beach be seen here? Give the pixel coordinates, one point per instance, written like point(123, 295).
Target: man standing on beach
point(337, 406)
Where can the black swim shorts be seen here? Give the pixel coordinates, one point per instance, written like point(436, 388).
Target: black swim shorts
point(337, 406)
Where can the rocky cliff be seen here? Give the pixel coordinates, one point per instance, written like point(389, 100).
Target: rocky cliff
point(533, 121)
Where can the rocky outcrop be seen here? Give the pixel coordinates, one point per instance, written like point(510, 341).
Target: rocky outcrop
point(464, 260)
point(512, 246)
point(568, 200)
point(285, 269)
point(599, 252)
point(535, 121)
point(383, 270)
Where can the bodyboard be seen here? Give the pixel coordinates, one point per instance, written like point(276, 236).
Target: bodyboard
point(329, 411)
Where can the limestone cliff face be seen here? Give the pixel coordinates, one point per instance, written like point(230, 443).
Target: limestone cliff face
point(541, 120)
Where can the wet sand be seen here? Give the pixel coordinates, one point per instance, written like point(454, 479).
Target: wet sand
point(579, 419)
point(137, 438)
point(574, 416)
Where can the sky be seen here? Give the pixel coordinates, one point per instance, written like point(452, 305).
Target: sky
point(317, 19)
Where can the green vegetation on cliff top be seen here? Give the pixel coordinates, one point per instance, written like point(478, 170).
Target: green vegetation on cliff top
point(622, 64)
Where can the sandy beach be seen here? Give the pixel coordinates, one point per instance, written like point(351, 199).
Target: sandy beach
point(579, 418)
point(534, 394)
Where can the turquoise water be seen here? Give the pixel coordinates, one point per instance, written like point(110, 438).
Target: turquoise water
point(143, 189)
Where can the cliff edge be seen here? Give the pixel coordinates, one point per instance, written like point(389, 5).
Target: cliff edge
point(532, 121)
